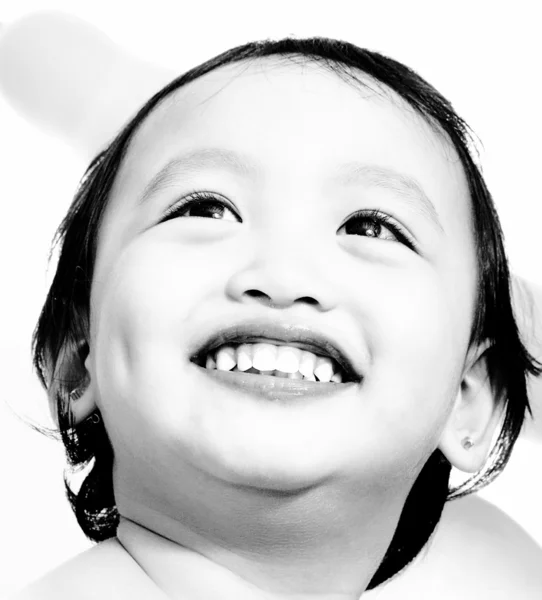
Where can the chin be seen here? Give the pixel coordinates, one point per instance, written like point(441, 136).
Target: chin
point(272, 473)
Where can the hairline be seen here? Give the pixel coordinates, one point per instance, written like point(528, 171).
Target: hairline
point(356, 77)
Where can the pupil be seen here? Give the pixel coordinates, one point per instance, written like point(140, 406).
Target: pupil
point(363, 226)
point(212, 209)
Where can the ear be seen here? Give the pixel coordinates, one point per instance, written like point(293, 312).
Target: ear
point(476, 414)
point(73, 374)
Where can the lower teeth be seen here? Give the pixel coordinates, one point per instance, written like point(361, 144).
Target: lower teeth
point(275, 373)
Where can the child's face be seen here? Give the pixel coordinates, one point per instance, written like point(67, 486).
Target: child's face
point(159, 287)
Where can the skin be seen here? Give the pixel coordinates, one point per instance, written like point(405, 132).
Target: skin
point(461, 526)
point(476, 534)
point(183, 446)
point(478, 552)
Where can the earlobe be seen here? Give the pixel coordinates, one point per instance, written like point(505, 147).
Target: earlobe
point(81, 403)
point(81, 397)
point(468, 435)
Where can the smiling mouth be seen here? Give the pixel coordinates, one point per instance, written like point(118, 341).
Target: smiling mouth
point(270, 387)
point(274, 359)
point(326, 374)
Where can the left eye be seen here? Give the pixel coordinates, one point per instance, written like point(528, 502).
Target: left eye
point(374, 224)
point(201, 205)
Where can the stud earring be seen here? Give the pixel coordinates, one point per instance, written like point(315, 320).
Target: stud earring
point(75, 394)
point(467, 443)
point(94, 418)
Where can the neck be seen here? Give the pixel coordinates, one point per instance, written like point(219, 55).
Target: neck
point(260, 545)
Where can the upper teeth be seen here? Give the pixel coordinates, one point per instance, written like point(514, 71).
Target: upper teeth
point(269, 358)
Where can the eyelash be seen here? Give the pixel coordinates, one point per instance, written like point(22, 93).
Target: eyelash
point(374, 216)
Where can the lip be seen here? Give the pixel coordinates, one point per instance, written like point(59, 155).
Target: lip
point(300, 336)
point(275, 389)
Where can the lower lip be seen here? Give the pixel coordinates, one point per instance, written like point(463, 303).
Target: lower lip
point(273, 388)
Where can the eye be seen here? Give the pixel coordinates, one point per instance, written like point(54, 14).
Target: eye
point(374, 224)
point(371, 224)
point(200, 205)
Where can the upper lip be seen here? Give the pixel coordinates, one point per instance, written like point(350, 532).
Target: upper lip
point(301, 336)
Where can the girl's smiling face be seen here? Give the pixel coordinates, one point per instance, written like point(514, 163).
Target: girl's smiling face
point(285, 244)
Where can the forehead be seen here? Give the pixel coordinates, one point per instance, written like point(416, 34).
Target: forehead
point(279, 98)
point(296, 121)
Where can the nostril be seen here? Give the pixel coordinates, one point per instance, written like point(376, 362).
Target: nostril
point(308, 300)
point(257, 294)
point(264, 299)
point(278, 303)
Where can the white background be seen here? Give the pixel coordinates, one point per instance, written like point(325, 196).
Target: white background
point(484, 56)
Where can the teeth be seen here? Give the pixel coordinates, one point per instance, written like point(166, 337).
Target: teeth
point(296, 375)
point(264, 357)
point(210, 364)
point(225, 358)
point(323, 369)
point(307, 364)
point(279, 361)
point(244, 357)
point(288, 359)
point(337, 378)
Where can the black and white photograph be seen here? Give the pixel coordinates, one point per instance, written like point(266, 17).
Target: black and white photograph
point(329, 385)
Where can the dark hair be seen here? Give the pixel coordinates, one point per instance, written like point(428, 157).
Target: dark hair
point(60, 340)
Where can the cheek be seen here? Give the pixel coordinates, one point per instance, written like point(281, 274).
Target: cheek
point(142, 315)
point(420, 335)
point(150, 289)
point(422, 317)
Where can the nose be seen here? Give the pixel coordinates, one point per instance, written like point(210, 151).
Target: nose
point(285, 271)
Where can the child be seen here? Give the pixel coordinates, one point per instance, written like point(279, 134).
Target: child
point(307, 450)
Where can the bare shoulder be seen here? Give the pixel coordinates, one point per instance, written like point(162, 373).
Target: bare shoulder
point(478, 552)
point(479, 530)
point(104, 571)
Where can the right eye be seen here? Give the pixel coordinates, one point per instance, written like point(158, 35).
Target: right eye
point(201, 205)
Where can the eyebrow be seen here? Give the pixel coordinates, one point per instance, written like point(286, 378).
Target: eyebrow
point(346, 174)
